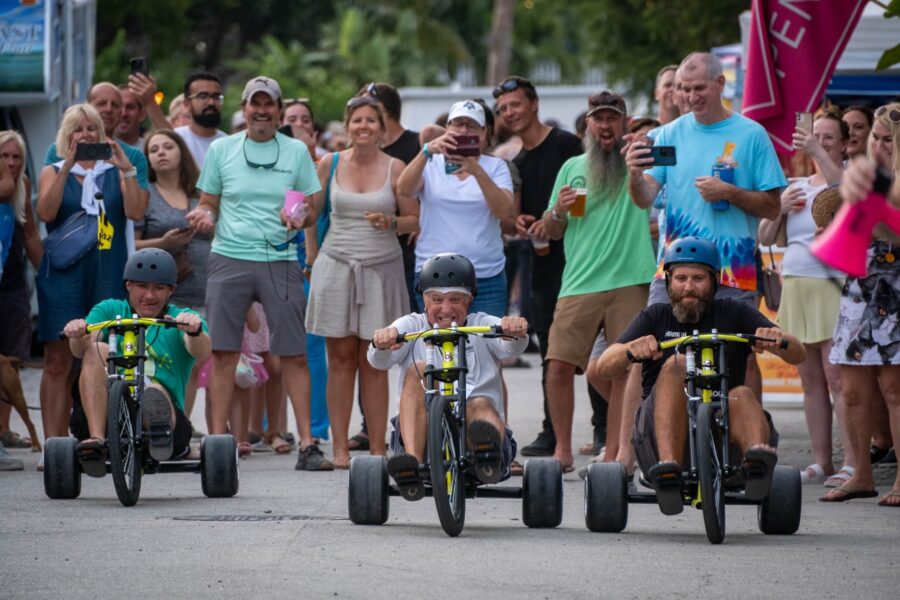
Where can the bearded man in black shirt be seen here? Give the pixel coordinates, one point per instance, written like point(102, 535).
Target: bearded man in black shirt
point(661, 424)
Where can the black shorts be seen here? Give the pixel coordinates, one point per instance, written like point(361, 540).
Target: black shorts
point(643, 436)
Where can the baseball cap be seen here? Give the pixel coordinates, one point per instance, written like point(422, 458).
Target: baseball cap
point(467, 108)
point(606, 101)
point(262, 84)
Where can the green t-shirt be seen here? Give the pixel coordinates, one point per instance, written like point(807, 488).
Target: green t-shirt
point(251, 199)
point(609, 247)
point(168, 361)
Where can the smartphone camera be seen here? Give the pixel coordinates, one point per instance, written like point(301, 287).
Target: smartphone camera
point(99, 151)
point(140, 65)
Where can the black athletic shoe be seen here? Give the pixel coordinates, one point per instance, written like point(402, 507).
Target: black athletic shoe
point(157, 413)
point(543, 445)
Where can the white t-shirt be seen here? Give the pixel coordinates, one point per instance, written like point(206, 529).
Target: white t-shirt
point(198, 145)
point(483, 356)
point(455, 217)
point(801, 228)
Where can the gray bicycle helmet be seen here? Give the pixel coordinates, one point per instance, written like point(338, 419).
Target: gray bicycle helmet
point(447, 270)
point(151, 265)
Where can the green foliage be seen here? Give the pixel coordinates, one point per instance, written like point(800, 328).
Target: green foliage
point(890, 58)
point(630, 40)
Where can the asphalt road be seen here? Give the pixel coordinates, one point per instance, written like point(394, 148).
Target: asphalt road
point(287, 534)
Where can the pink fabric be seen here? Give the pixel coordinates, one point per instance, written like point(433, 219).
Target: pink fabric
point(793, 49)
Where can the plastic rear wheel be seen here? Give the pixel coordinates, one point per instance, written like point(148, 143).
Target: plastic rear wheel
point(444, 459)
point(779, 513)
point(62, 472)
point(710, 467)
point(125, 455)
point(368, 494)
point(219, 476)
point(606, 497)
point(542, 493)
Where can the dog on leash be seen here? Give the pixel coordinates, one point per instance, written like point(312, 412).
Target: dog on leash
point(11, 393)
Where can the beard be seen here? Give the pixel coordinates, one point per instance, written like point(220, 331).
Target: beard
point(690, 313)
point(208, 118)
point(606, 168)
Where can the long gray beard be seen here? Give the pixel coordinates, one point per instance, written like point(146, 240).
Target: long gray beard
point(606, 168)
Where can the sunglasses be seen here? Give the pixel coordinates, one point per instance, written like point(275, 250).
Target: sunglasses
point(893, 114)
point(511, 85)
point(373, 91)
point(254, 165)
point(284, 245)
point(356, 101)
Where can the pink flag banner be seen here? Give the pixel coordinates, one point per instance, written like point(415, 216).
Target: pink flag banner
point(792, 52)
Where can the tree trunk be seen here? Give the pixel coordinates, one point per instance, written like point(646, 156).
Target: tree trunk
point(500, 42)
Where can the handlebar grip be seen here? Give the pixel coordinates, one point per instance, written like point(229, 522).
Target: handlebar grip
point(629, 355)
point(62, 336)
point(784, 344)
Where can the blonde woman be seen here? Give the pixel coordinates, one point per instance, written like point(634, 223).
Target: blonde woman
point(64, 188)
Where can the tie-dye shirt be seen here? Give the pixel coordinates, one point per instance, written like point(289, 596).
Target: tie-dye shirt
point(756, 168)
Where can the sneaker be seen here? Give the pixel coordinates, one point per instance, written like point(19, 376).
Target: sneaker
point(157, 411)
point(8, 462)
point(890, 458)
point(312, 459)
point(543, 445)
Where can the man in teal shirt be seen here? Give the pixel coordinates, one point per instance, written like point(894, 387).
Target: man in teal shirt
point(609, 264)
point(150, 276)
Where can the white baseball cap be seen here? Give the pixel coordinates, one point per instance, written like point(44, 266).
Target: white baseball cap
point(467, 108)
point(262, 84)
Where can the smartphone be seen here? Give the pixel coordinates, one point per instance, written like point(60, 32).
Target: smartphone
point(140, 65)
point(663, 156)
point(804, 121)
point(286, 130)
point(467, 145)
point(98, 151)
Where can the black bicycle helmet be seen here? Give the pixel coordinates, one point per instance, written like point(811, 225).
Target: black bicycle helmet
point(447, 270)
point(151, 265)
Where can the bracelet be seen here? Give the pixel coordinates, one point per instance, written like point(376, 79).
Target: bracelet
point(195, 333)
point(132, 172)
point(425, 151)
point(211, 214)
point(556, 216)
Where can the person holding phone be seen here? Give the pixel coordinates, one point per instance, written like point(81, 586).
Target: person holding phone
point(64, 188)
point(811, 292)
point(464, 195)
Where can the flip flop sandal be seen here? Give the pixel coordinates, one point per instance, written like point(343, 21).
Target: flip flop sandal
point(885, 500)
point(666, 478)
point(278, 444)
point(841, 477)
point(485, 441)
point(92, 456)
point(758, 466)
point(814, 473)
point(844, 493)
point(404, 469)
point(359, 442)
point(157, 411)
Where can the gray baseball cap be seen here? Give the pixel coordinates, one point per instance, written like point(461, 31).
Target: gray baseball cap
point(262, 84)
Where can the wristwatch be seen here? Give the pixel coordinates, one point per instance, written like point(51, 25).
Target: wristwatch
point(425, 151)
point(132, 172)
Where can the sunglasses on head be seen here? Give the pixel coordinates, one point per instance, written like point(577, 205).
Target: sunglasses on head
point(893, 114)
point(362, 101)
point(511, 85)
point(373, 91)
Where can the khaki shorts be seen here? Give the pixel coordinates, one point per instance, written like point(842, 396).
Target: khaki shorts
point(578, 320)
point(232, 287)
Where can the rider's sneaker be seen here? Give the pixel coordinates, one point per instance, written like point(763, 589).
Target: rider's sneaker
point(8, 462)
point(543, 445)
point(404, 469)
point(485, 441)
point(157, 411)
point(312, 459)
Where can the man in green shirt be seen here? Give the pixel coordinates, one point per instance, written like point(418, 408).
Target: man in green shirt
point(150, 276)
point(609, 263)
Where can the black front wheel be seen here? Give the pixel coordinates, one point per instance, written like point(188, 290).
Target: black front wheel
point(445, 466)
point(125, 454)
point(711, 472)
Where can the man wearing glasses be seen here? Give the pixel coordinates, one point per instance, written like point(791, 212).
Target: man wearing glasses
point(203, 99)
point(244, 182)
